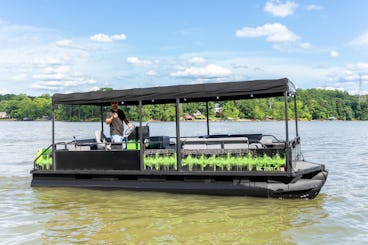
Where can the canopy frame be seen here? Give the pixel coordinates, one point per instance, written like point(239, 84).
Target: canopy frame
point(183, 94)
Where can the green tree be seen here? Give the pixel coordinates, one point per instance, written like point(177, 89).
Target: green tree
point(230, 110)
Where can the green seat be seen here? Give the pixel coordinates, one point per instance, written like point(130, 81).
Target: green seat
point(44, 158)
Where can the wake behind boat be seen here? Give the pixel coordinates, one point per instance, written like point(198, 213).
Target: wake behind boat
point(240, 164)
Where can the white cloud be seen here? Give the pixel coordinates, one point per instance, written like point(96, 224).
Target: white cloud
point(137, 61)
point(352, 78)
point(105, 38)
point(334, 54)
point(64, 43)
point(95, 88)
point(119, 37)
point(133, 60)
point(279, 9)
point(313, 7)
point(333, 88)
point(70, 44)
point(305, 45)
point(47, 77)
point(210, 70)
point(47, 60)
point(52, 76)
point(291, 46)
point(4, 91)
point(361, 41)
point(37, 60)
point(57, 84)
point(52, 72)
point(274, 32)
point(152, 73)
point(196, 60)
point(58, 69)
point(360, 66)
point(101, 38)
point(20, 77)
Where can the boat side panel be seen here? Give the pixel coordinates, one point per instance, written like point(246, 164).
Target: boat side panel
point(101, 160)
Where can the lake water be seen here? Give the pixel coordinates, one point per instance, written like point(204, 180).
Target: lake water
point(339, 214)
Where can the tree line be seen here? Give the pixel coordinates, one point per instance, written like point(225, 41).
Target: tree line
point(313, 104)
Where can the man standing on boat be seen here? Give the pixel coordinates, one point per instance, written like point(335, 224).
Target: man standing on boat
point(115, 118)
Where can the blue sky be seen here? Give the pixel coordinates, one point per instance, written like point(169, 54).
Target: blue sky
point(60, 46)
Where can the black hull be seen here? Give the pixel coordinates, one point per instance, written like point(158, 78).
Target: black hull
point(302, 186)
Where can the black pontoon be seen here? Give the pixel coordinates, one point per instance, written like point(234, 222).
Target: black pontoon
point(241, 164)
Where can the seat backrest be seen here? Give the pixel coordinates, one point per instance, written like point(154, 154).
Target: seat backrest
point(101, 140)
point(98, 136)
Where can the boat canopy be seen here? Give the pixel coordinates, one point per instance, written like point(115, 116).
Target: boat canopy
point(185, 93)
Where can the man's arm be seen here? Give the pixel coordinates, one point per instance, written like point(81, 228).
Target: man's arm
point(125, 119)
point(110, 117)
point(127, 122)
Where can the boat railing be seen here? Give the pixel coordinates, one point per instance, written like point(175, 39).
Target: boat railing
point(218, 152)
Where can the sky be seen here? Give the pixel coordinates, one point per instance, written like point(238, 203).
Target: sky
point(63, 46)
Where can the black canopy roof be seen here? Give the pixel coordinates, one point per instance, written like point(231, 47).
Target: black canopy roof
point(186, 93)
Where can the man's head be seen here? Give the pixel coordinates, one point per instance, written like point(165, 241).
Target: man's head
point(115, 105)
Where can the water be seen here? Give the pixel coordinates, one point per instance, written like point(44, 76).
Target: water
point(339, 214)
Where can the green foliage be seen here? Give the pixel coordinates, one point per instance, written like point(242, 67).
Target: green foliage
point(158, 162)
point(230, 110)
point(21, 106)
point(229, 162)
point(192, 108)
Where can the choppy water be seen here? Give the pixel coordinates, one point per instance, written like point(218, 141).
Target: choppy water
point(339, 215)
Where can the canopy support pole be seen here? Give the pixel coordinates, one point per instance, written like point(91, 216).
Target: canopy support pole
point(178, 145)
point(296, 117)
point(288, 158)
point(208, 122)
point(141, 145)
point(102, 120)
point(53, 138)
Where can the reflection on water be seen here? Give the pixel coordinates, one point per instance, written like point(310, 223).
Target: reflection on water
point(338, 215)
point(141, 217)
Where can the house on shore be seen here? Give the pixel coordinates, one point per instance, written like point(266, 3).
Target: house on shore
point(3, 115)
point(198, 116)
